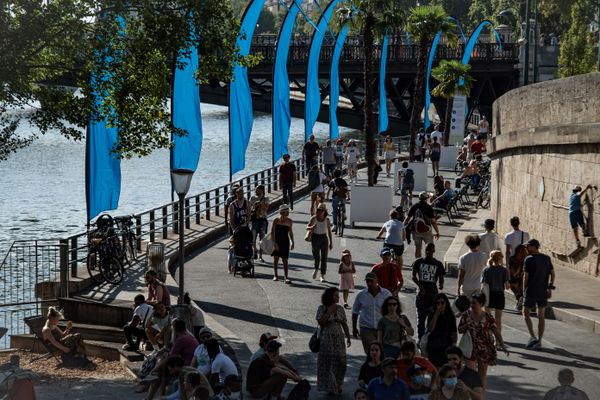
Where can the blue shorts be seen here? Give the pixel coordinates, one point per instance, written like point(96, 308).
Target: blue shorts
point(576, 219)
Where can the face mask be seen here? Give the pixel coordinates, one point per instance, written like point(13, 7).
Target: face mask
point(427, 380)
point(236, 395)
point(419, 380)
point(451, 382)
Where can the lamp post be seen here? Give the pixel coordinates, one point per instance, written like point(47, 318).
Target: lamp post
point(526, 36)
point(181, 179)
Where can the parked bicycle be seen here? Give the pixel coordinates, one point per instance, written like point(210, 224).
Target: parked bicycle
point(105, 252)
point(127, 237)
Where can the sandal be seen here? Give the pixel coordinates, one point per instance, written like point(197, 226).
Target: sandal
point(275, 278)
point(288, 281)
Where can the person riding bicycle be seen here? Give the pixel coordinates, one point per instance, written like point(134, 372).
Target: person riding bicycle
point(340, 194)
point(394, 236)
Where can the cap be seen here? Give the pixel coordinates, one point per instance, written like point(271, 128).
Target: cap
point(577, 188)
point(273, 346)
point(413, 370)
point(286, 156)
point(384, 251)
point(346, 252)
point(204, 330)
point(534, 243)
point(423, 196)
point(489, 223)
point(322, 206)
point(370, 276)
point(265, 337)
point(388, 361)
point(284, 207)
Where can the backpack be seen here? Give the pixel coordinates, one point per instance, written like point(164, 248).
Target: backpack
point(408, 180)
point(422, 223)
point(300, 391)
point(340, 191)
point(313, 179)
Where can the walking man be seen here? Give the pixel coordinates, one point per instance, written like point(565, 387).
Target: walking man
point(310, 151)
point(329, 159)
point(367, 305)
point(490, 240)
point(389, 274)
point(287, 180)
point(470, 266)
point(514, 237)
point(425, 273)
point(538, 282)
point(424, 222)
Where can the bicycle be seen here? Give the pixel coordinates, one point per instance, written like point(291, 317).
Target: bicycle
point(103, 259)
point(340, 217)
point(459, 168)
point(483, 199)
point(127, 238)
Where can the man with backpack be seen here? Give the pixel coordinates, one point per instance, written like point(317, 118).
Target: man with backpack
point(340, 193)
point(422, 222)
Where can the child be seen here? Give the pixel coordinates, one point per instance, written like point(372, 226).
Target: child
point(346, 271)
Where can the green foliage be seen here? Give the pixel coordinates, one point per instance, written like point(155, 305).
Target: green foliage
point(425, 22)
point(448, 74)
point(45, 43)
point(577, 52)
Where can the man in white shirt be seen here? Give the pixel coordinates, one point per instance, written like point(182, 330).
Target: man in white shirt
point(368, 304)
point(437, 134)
point(490, 240)
point(141, 313)
point(470, 266)
point(514, 237)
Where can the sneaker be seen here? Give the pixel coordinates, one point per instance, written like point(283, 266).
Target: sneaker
point(287, 281)
point(322, 278)
point(315, 274)
point(275, 278)
point(537, 345)
point(531, 343)
point(346, 306)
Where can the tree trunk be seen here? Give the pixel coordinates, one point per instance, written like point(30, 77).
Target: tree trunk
point(371, 151)
point(448, 120)
point(419, 94)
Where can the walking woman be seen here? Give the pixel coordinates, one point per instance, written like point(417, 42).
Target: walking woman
point(441, 325)
point(435, 153)
point(515, 267)
point(331, 360)
point(283, 236)
point(321, 241)
point(483, 329)
point(393, 327)
point(389, 152)
point(495, 276)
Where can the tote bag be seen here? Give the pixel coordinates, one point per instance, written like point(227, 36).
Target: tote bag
point(466, 344)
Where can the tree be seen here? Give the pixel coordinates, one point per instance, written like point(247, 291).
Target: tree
point(372, 17)
point(44, 44)
point(577, 54)
point(452, 77)
point(424, 23)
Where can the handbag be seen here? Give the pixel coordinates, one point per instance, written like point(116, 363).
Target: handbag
point(315, 341)
point(308, 235)
point(267, 245)
point(466, 344)
point(485, 289)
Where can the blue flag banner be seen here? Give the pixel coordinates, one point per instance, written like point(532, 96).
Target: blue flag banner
point(334, 82)
point(383, 114)
point(185, 114)
point(240, 99)
point(432, 51)
point(102, 166)
point(281, 85)
point(312, 101)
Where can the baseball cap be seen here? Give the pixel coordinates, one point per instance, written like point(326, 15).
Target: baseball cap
point(273, 346)
point(388, 361)
point(534, 243)
point(204, 331)
point(370, 276)
point(384, 251)
point(265, 337)
point(423, 196)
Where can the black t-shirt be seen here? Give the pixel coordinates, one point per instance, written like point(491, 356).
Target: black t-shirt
point(538, 266)
point(445, 326)
point(470, 378)
point(338, 183)
point(425, 208)
point(428, 273)
point(258, 372)
point(367, 372)
point(310, 150)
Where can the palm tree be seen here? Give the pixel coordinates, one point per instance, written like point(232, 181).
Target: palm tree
point(453, 76)
point(372, 17)
point(424, 22)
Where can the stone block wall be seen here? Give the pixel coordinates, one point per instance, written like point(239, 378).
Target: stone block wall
point(545, 140)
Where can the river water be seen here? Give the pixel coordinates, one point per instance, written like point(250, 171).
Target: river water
point(42, 187)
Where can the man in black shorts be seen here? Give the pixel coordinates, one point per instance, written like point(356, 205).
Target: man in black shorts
point(425, 273)
point(538, 282)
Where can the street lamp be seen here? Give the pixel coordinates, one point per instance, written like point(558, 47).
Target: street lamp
point(524, 40)
point(181, 179)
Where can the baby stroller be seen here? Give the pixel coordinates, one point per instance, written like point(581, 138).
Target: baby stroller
point(242, 242)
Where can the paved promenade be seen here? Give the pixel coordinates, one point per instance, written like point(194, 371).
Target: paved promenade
point(240, 309)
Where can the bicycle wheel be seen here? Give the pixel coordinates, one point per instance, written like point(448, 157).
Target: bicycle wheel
point(340, 224)
point(458, 169)
point(130, 253)
point(112, 270)
point(93, 266)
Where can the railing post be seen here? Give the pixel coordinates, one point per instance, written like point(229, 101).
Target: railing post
point(138, 233)
point(197, 212)
point(187, 213)
point(270, 180)
point(206, 207)
point(64, 268)
point(262, 177)
point(152, 226)
point(165, 222)
point(73, 255)
point(275, 179)
point(248, 187)
point(217, 201)
point(174, 214)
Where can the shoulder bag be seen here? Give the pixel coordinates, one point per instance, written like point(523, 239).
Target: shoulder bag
point(315, 341)
point(466, 344)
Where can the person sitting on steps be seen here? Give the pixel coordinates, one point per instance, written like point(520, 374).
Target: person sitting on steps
point(64, 341)
point(142, 311)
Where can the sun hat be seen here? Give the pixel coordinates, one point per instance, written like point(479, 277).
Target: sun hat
point(322, 206)
point(284, 208)
point(346, 252)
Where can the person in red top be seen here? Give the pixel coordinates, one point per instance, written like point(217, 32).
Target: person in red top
point(408, 357)
point(185, 343)
point(477, 147)
point(389, 274)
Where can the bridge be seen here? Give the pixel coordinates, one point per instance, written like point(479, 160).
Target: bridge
point(493, 66)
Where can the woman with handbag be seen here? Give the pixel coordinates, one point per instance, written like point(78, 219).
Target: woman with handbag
point(494, 279)
point(318, 232)
point(482, 328)
point(331, 360)
point(441, 330)
point(283, 236)
point(393, 327)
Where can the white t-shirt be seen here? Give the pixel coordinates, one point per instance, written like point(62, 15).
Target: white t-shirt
point(143, 312)
point(473, 264)
point(352, 154)
point(515, 238)
point(223, 366)
point(438, 135)
point(490, 241)
point(393, 232)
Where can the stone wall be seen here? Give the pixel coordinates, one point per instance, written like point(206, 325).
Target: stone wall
point(545, 140)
